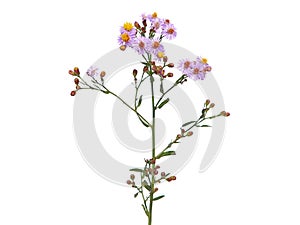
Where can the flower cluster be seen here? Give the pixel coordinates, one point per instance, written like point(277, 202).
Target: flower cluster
point(196, 69)
point(148, 41)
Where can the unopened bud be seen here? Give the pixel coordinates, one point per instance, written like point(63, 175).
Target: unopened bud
point(212, 105)
point(170, 74)
point(77, 87)
point(157, 167)
point(123, 47)
point(171, 65)
point(102, 74)
point(223, 113)
point(145, 69)
point(155, 172)
point(73, 93)
point(137, 25)
point(71, 72)
point(155, 190)
point(163, 174)
point(190, 133)
point(129, 182)
point(134, 72)
point(132, 176)
point(76, 71)
point(178, 136)
point(227, 114)
point(207, 102)
point(144, 23)
point(165, 59)
point(76, 81)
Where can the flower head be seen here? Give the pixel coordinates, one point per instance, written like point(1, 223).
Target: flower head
point(141, 45)
point(169, 31)
point(194, 69)
point(93, 71)
point(127, 38)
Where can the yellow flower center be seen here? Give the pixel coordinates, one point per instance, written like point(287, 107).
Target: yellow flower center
point(154, 15)
point(128, 26)
point(204, 60)
point(125, 37)
point(160, 55)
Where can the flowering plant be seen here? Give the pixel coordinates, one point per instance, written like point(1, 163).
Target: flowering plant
point(146, 40)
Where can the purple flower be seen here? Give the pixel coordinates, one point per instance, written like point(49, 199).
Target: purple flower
point(155, 47)
point(127, 38)
point(141, 45)
point(93, 71)
point(169, 31)
point(194, 69)
point(128, 27)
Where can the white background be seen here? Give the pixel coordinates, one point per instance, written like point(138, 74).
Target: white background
point(253, 47)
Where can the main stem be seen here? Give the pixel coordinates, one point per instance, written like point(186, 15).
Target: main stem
point(153, 152)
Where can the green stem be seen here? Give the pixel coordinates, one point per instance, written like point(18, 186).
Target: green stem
point(153, 152)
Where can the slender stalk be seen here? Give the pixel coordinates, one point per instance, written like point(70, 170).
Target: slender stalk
point(153, 152)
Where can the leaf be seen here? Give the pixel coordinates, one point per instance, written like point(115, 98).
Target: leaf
point(137, 170)
point(159, 197)
point(163, 103)
point(188, 123)
point(147, 187)
point(205, 125)
point(140, 101)
point(163, 154)
point(145, 210)
point(143, 122)
point(136, 194)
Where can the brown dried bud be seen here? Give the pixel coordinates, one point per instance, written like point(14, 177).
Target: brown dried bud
point(143, 30)
point(76, 81)
point(165, 59)
point(144, 23)
point(71, 72)
point(73, 93)
point(76, 71)
point(137, 25)
point(190, 133)
point(207, 102)
point(167, 21)
point(123, 47)
point(132, 176)
point(170, 74)
point(212, 105)
point(152, 161)
point(129, 182)
point(178, 136)
point(134, 72)
point(145, 69)
point(102, 74)
point(227, 114)
point(171, 65)
point(163, 174)
point(155, 190)
point(169, 179)
point(77, 87)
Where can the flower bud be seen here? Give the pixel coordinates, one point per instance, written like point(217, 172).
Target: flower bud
point(155, 190)
point(76, 81)
point(145, 69)
point(227, 114)
point(144, 23)
point(76, 71)
point(163, 174)
point(171, 65)
point(73, 93)
point(190, 133)
point(165, 59)
point(77, 87)
point(155, 172)
point(212, 105)
point(102, 74)
point(152, 161)
point(167, 21)
point(71, 72)
point(207, 102)
point(137, 25)
point(170, 74)
point(134, 72)
point(129, 182)
point(157, 167)
point(132, 176)
point(123, 47)
point(178, 136)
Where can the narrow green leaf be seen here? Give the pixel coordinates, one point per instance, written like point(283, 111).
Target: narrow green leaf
point(145, 210)
point(205, 125)
point(137, 170)
point(163, 154)
point(188, 123)
point(143, 122)
point(136, 194)
point(140, 101)
point(159, 197)
point(147, 187)
point(163, 103)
